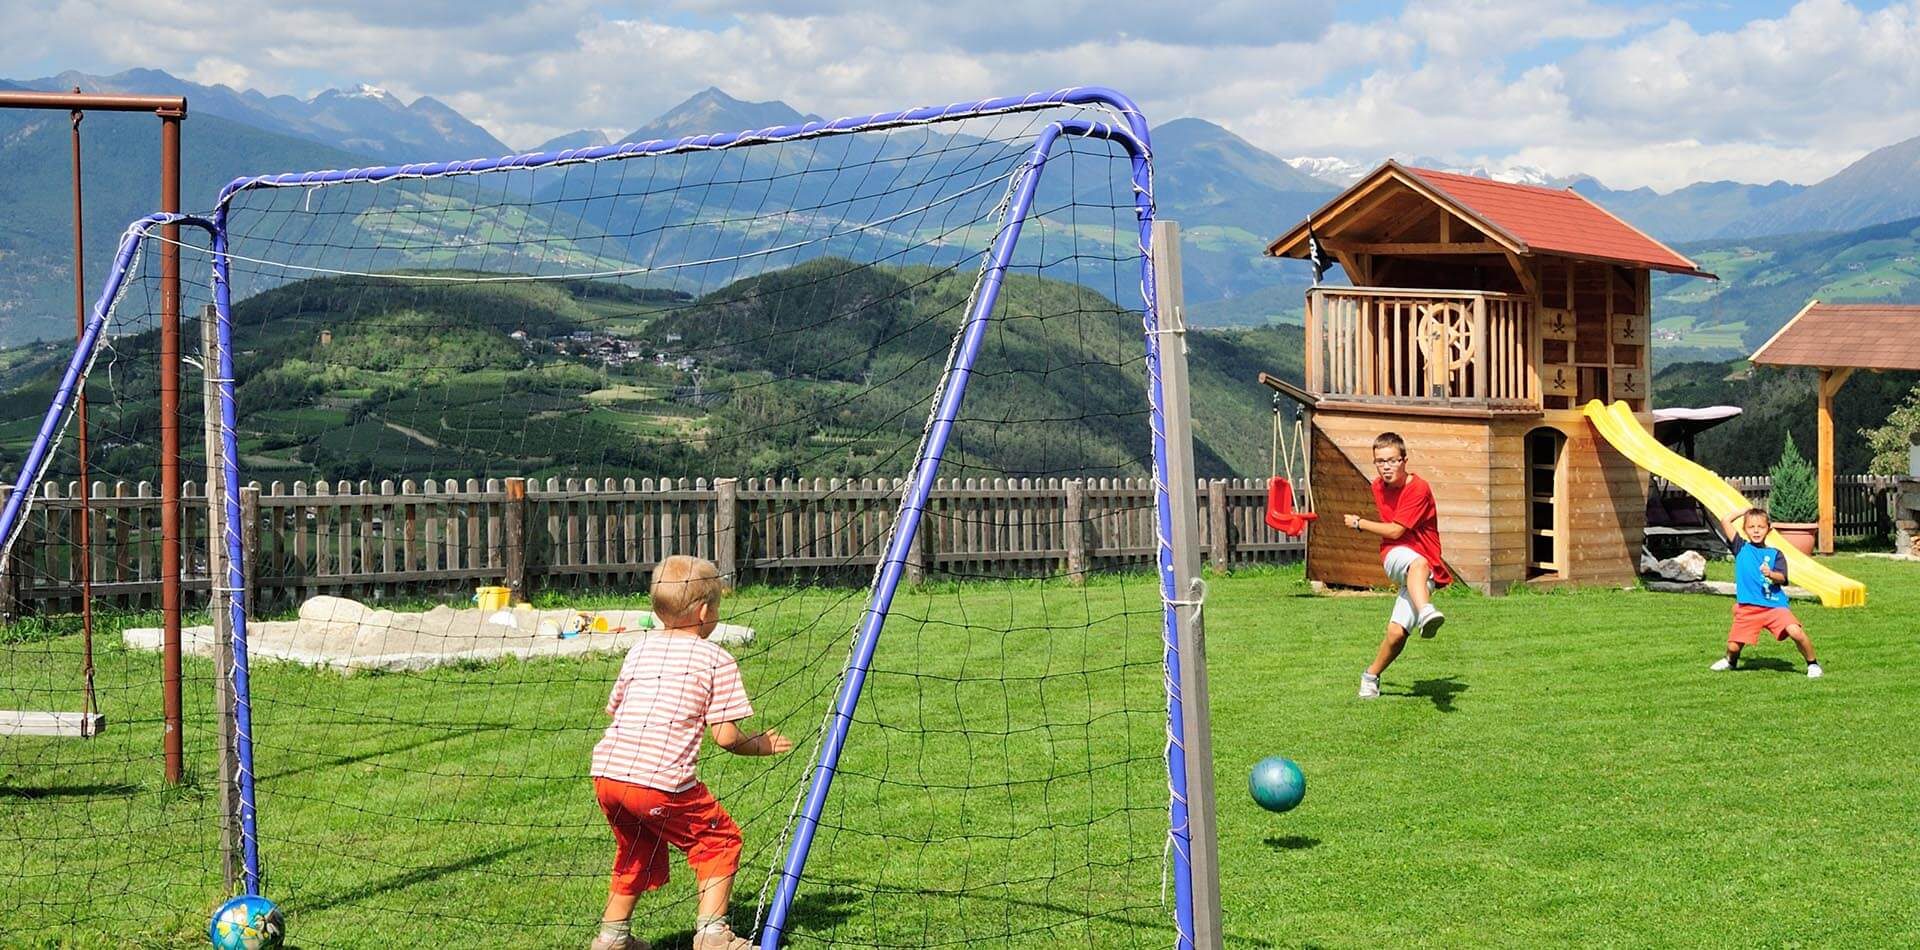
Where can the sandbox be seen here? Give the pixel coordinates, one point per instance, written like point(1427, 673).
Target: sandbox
point(347, 635)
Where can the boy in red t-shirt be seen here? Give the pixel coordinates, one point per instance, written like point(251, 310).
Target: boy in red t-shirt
point(674, 684)
point(1409, 530)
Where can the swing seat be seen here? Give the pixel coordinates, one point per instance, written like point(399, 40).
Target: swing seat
point(1281, 516)
point(73, 725)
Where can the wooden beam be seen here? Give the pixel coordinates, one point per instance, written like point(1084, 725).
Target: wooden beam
point(1359, 201)
point(1291, 391)
point(1830, 382)
point(1427, 247)
point(1525, 275)
point(1406, 225)
point(1351, 263)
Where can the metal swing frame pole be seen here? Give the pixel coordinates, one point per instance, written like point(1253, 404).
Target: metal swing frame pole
point(171, 110)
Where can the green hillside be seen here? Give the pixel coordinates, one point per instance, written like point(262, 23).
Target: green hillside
point(1765, 281)
point(1774, 403)
point(822, 369)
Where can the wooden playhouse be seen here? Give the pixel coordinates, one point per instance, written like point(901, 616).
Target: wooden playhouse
point(1482, 317)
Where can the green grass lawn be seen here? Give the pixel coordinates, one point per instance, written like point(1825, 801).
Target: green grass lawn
point(1553, 769)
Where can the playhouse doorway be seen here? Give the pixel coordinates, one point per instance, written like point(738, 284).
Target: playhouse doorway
point(1546, 483)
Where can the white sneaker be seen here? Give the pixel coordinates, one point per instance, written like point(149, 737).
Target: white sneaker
point(721, 938)
point(1369, 687)
point(1721, 665)
point(1429, 622)
point(1814, 671)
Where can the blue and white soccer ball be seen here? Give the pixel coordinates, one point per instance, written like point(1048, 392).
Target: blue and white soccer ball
point(247, 922)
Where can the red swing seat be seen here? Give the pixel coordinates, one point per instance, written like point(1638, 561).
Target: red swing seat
point(1280, 514)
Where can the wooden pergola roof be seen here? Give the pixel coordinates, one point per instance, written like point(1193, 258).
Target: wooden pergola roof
point(1847, 336)
point(1511, 220)
point(1836, 339)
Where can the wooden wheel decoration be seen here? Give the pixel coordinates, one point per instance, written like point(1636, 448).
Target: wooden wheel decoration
point(1445, 332)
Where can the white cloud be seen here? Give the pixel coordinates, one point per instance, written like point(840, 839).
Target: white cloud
point(1626, 93)
point(1796, 97)
point(217, 70)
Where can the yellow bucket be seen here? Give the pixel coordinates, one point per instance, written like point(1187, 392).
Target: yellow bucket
point(491, 599)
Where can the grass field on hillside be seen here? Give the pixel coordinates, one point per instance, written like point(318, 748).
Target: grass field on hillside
point(1553, 769)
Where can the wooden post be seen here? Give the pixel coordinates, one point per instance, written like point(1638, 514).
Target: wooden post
point(917, 551)
point(1481, 364)
point(1217, 522)
point(1181, 573)
point(725, 541)
point(11, 608)
point(250, 549)
point(1311, 339)
point(218, 601)
point(515, 531)
point(1830, 382)
point(1075, 526)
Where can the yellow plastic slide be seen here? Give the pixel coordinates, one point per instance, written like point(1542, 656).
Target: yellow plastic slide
point(1617, 425)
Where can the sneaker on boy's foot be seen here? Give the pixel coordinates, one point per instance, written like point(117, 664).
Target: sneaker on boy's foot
point(619, 943)
point(720, 938)
point(1721, 665)
point(1369, 686)
point(1814, 671)
point(1429, 622)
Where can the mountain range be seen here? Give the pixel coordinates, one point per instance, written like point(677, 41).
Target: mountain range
point(366, 120)
point(1230, 196)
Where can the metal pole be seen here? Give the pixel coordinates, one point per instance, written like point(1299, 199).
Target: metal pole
point(1193, 729)
point(93, 102)
point(85, 514)
point(170, 446)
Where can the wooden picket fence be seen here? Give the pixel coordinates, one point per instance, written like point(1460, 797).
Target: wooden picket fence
point(388, 540)
point(1862, 504)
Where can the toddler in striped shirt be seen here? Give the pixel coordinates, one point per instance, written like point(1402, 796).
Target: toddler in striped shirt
point(674, 684)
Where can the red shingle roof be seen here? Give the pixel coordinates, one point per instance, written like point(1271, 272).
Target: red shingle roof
point(1834, 335)
point(1555, 221)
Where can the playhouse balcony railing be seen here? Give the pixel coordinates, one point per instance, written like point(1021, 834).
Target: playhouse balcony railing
point(1457, 349)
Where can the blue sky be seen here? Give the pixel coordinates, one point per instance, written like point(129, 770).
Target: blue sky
point(1655, 94)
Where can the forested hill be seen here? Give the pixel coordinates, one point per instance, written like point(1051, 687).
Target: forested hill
point(823, 369)
point(1773, 403)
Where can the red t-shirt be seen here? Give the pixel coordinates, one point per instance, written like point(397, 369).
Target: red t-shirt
point(1411, 506)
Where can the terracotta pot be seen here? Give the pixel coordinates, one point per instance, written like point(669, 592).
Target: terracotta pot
point(1801, 534)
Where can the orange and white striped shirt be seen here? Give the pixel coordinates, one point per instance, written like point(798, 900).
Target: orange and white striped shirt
point(670, 688)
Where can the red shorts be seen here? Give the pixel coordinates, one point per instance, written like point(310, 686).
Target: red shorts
point(1750, 619)
point(646, 820)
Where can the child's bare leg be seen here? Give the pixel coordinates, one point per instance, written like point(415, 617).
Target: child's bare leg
point(619, 906)
point(1798, 635)
point(1733, 650)
point(615, 929)
point(1390, 647)
point(1419, 575)
point(715, 894)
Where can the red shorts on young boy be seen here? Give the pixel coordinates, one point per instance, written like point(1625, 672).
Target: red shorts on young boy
point(1750, 619)
point(646, 820)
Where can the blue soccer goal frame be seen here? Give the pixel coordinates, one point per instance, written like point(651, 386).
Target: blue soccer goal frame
point(1130, 132)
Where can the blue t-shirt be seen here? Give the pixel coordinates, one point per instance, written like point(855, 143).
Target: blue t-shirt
point(1749, 585)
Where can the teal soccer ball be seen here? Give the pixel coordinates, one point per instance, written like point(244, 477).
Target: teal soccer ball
point(1277, 783)
point(248, 922)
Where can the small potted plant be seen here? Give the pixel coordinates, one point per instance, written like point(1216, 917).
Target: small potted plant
point(1794, 504)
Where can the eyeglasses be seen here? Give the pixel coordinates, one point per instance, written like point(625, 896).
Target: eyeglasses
point(1388, 463)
